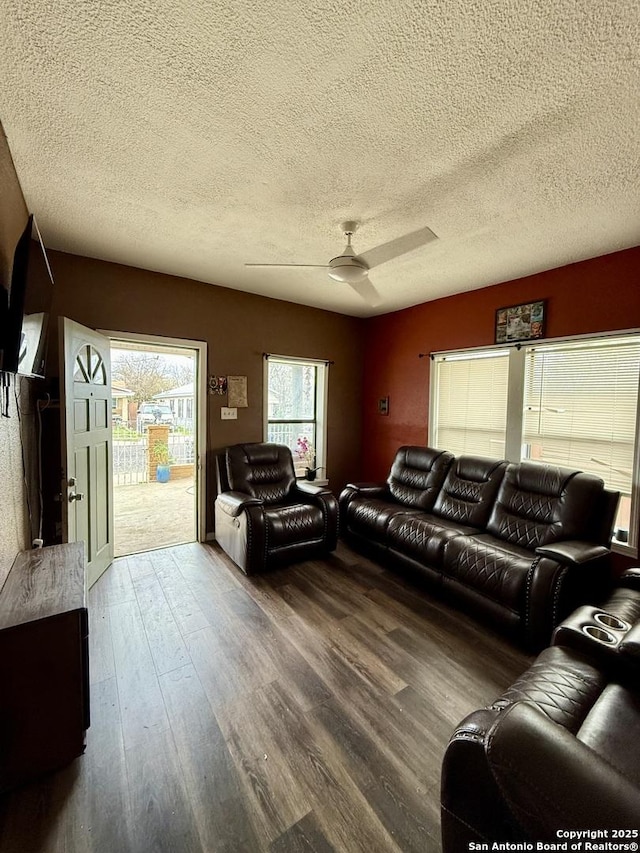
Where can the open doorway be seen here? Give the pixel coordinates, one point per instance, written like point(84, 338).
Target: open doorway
point(156, 408)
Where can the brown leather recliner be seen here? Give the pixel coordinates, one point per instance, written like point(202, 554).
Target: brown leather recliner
point(263, 517)
point(558, 752)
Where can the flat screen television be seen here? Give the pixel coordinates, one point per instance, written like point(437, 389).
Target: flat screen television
point(23, 337)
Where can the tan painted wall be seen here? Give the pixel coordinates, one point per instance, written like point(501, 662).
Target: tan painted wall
point(238, 328)
point(14, 532)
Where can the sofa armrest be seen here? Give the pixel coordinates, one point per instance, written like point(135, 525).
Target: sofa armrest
point(233, 503)
point(562, 576)
point(326, 501)
point(369, 490)
point(553, 780)
point(630, 579)
point(574, 552)
point(472, 809)
point(308, 488)
point(630, 644)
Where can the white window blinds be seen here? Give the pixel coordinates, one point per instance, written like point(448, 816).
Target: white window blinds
point(580, 407)
point(470, 401)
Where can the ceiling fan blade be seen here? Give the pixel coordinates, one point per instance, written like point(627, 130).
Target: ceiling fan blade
point(366, 291)
point(399, 246)
point(282, 266)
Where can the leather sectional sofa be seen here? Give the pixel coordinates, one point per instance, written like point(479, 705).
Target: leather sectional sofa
point(558, 752)
point(521, 544)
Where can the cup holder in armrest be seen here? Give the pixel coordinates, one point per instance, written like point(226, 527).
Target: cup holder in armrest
point(600, 634)
point(608, 620)
point(608, 639)
point(593, 631)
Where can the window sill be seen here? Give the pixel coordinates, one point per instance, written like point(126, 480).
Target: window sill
point(318, 482)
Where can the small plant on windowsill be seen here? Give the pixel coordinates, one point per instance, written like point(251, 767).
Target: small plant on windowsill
point(307, 454)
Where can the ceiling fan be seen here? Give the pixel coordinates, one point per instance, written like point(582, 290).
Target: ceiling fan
point(353, 269)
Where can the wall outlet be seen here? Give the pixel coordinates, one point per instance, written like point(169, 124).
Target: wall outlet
point(228, 414)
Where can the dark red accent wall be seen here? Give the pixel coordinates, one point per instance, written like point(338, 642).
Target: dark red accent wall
point(598, 295)
point(591, 296)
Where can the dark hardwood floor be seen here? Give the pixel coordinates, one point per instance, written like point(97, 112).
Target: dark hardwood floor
point(303, 710)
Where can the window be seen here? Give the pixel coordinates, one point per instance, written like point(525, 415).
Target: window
point(296, 409)
point(471, 404)
point(572, 403)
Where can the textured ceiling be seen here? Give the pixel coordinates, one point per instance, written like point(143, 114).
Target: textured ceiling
point(191, 137)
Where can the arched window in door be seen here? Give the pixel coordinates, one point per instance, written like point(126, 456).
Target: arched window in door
point(89, 367)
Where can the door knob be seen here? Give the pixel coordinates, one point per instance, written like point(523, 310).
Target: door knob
point(75, 496)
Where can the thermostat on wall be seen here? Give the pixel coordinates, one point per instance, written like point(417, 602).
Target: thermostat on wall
point(228, 414)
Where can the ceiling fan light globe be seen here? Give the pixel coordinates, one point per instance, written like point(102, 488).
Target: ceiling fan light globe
point(348, 274)
point(347, 269)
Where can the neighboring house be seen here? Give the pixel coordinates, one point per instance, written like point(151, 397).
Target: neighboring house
point(122, 404)
point(181, 402)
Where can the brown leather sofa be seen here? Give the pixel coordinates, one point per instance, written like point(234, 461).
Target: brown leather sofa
point(522, 544)
point(263, 517)
point(558, 752)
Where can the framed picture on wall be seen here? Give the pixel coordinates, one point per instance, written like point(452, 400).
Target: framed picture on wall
point(520, 322)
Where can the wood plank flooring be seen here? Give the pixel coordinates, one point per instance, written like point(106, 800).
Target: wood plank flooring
point(303, 710)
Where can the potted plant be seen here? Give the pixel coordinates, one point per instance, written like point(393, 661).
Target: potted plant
point(162, 458)
point(306, 452)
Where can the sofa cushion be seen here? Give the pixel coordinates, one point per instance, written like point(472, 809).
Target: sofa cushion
point(495, 568)
point(468, 493)
point(293, 524)
point(423, 536)
point(370, 516)
point(539, 504)
point(417, 474)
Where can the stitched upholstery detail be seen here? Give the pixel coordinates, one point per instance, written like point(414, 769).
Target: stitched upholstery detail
point(295, 523)
point(370, 516)
point(365, 511)
point(422, 536)
point(412, 531)
point(264, 474)
point(465, 490)
point(262, 470)
point(499, 573)
point(565, 692)
point(532, 516)
point(417, 474)
point(469, 490)
point(539, 504)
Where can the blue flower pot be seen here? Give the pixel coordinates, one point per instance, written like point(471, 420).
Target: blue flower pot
point(162, 473)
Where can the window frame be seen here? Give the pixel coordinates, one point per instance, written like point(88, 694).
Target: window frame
point(514, 429)
point(321, 397)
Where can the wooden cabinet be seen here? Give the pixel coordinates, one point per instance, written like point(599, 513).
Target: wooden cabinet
point(44, 663)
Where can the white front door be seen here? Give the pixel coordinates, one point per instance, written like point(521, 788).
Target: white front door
point(85, 389)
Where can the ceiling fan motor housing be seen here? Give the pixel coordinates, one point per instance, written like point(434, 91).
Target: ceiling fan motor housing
point(347, 268)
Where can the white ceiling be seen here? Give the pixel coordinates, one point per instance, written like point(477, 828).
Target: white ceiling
point(191, 137)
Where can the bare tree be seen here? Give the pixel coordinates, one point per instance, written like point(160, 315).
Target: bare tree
point(182, 373)
point(143, 373)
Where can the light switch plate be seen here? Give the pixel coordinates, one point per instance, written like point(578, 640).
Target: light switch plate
point(228, 414)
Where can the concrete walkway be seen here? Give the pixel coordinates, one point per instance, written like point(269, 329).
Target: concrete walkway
point(154, 515)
